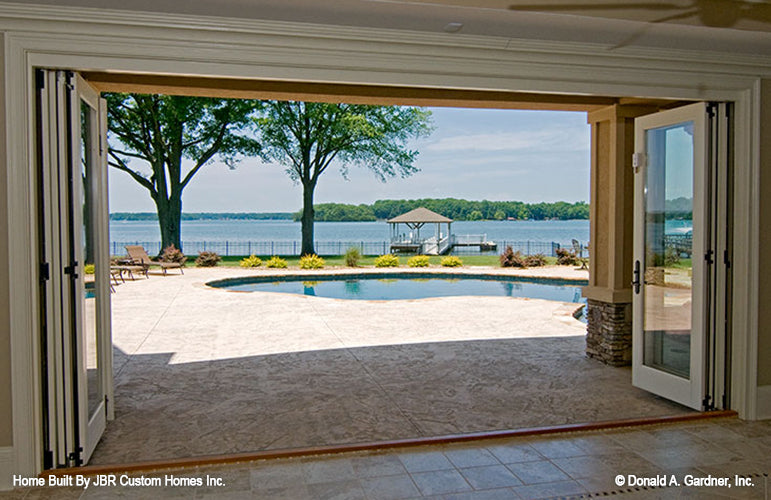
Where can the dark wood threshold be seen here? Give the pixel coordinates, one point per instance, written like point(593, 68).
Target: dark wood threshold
point(153, 465)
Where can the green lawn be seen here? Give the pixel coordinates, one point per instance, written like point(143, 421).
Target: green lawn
point(369, 260)
point(683, 264)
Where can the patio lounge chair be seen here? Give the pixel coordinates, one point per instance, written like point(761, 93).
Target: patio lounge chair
point(119, 271)
point(138, 256)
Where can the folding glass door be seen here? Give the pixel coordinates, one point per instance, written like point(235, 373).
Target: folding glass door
point(76, 344)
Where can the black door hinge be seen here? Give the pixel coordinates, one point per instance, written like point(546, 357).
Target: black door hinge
point(45, 272)
point(40, 79)
point(48, 459)
point(708, 257)
point(74, 457)
point(70, 82)
point(71, 270)
point(705, 403)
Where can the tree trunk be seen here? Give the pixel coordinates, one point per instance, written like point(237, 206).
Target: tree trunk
point(307, 219)
point(169, 217)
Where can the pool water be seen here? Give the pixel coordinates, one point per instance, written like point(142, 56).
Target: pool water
point(398, 287)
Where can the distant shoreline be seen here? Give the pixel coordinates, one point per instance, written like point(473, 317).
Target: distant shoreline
point(152, 216)
point(147, 217)
point(456, 209)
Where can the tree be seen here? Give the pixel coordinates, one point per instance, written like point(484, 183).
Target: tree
point(163, 131)
point(475, 215)
point(308, 137)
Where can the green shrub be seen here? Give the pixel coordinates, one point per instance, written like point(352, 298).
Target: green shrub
point(510, 258)
point(251, 261)
point(418, 261)
point(566, 257)
point(276, 263)
point(207, 259)
point(311, 261)
point(173, 254)
point(387, 260)
point(536, 260)
point(671, 257)
point(352, 257)
point(89, 269)
point(451, 261)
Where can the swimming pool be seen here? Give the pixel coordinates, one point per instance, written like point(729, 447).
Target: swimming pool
point(401, 286)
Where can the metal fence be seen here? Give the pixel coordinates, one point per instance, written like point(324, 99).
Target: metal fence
point(682, 244)
point(548, 248)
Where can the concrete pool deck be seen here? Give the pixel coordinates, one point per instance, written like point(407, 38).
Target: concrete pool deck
point(202, 371)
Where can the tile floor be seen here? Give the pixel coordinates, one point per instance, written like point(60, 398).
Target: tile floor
point(569, 465)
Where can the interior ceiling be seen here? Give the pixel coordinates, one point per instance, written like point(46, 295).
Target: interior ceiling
point(690, 24)
point(749, 15)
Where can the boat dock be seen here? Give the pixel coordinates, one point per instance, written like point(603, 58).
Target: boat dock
point(440, 243)
point(475, 240)
point(430, 246)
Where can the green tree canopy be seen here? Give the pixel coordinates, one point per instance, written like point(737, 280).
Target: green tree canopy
point(338, 212)
point(307, 138)
point(458, 209)
point(162, 131)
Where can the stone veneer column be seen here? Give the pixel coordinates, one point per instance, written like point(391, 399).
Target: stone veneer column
point(609, 332)
point(609, 293)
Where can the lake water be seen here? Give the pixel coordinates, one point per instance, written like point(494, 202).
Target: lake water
point(287, 231)
point(282, 237)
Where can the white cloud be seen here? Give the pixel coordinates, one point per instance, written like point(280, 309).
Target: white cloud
point(473, 154)
point(554, 139)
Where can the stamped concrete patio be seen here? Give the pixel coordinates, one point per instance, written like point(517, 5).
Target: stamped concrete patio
point(202, 371)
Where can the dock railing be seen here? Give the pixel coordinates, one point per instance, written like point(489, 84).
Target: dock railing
point(470, 239)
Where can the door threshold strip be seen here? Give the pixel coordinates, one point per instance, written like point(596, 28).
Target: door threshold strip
point(154, 465)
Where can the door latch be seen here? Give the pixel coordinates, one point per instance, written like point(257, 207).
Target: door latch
point(638, 160)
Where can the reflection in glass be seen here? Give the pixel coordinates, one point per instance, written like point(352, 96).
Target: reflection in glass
point(668, 267)
point(91, 292)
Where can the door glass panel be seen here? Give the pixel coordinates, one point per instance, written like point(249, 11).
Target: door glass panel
point(668, 271)
point(90, 291)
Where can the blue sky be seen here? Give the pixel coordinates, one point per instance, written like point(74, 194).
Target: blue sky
point(475, 154)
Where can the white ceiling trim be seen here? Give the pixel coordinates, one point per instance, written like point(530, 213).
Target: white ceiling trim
point(19, 17)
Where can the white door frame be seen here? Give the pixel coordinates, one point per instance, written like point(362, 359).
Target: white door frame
point(92, 427)
point(103, 40)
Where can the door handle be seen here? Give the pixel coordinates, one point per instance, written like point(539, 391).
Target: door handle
point(636, 283)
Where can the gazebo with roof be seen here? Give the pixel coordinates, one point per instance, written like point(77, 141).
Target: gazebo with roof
point(411, 241)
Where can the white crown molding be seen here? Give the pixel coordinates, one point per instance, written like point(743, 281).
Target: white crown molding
point(198, 29)
point(293, 51)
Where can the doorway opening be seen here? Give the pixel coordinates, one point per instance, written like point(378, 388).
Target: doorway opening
point(440, 385)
